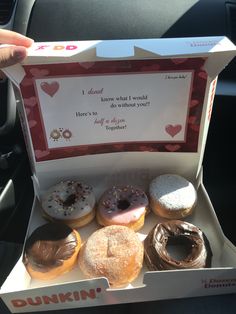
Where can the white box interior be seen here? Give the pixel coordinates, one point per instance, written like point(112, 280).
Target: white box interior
point(224, 254)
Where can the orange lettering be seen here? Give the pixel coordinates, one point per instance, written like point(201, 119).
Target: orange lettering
point(58, 47)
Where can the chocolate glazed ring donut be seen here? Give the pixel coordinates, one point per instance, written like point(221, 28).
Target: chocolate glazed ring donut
point(176, 232)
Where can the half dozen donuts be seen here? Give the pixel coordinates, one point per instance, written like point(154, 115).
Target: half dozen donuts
point(115, 251)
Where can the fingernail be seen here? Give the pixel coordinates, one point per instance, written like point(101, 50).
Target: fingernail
point(19, 54)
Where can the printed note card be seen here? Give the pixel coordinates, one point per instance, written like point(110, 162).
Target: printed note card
point(101, 107)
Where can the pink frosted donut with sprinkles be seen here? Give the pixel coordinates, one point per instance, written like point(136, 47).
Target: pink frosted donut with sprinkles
point(123, 205)
point(70, 202)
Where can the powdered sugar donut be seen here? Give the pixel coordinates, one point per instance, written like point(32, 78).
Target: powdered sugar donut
point(114, 252)
point(172, 196)
point(70, 202)
point(123, 205)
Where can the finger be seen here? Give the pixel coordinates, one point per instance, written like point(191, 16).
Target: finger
point(10, 37)
point(11, 55)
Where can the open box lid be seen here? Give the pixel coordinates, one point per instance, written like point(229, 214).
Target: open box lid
point(133, 108)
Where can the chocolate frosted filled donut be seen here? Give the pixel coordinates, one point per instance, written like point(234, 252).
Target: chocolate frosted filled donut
point(51, 250)
point(70, 202)
point(123, 205)
point(197, 249)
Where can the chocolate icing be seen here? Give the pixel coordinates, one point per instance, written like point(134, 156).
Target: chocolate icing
point(49, 245)
point(198, 249)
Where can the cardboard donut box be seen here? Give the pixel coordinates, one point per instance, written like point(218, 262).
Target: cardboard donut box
point(120, 112)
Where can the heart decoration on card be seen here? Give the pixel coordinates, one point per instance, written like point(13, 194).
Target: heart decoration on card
point(194, 102)
point(39, 72)
point(173, 130)
point(32, 123)
point(202, 75)
point(30, 102)
point(179, 61)
point(172, 148)
point(192, 120)
point(50, 88)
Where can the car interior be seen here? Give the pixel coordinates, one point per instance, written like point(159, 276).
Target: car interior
point(60, 20)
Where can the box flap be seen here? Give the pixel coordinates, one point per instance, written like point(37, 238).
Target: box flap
point(109, 108)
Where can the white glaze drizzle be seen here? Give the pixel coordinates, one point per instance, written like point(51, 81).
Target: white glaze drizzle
point(68, 200)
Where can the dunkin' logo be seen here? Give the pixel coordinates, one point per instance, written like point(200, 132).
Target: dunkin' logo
point(219, 283)
point(75, 296)
point(204, 43)
point(56, 47)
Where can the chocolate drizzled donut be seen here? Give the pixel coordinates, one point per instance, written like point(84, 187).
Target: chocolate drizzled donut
point(176, 232)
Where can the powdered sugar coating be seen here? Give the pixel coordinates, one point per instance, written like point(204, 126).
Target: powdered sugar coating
point(173, 192)
point(114, 252)
point(68, 200)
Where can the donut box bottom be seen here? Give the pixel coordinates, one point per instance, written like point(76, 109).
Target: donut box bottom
point(21, 294)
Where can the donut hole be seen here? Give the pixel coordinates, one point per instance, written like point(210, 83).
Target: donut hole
point(123, 204)
point(70, 200)
point(179, 247)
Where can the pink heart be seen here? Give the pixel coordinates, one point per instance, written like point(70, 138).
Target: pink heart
point(39, 72)
point(32, 123)
point(172, 130)
point(50, 88)
point(27, 110)
point(87, 65)
point(118, 146)
point(195, 127)
point(192, 119)
point(202, 75)
point(31, 102)
point(144, 148)
point(41, 153)
point(179, 61)
point(194, 102)
point(172, 148)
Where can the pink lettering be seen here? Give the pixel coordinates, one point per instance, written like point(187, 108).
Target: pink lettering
point(71, 47)
point(42, 47)
point(88, 294)
point(57, 298)
point(52, 299)
point(18, 303)
point(37, 301)
point(65, 297)
point(76, 295)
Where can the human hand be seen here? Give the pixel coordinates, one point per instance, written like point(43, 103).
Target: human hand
point(18, 49)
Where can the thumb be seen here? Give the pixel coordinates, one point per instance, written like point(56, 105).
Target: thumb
point(11, 55)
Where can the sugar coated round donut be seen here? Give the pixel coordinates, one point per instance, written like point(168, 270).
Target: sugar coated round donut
point(197, 251)
point(51, 250)
point(123, 205)
point(172, 196)
point(114, 252)
point(70, 202)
